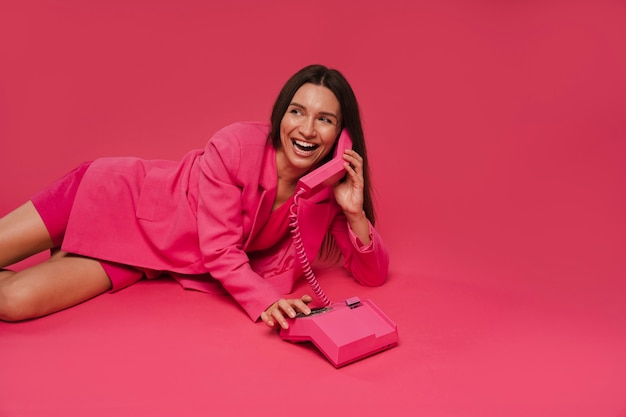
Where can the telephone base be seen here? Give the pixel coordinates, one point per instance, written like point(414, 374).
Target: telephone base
point(345, 331)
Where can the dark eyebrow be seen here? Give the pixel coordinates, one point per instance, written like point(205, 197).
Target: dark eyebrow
point(325, 113)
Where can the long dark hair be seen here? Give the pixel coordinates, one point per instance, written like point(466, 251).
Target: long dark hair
point(350, 116)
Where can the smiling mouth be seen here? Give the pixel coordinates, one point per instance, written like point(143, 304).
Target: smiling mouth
point(304, 146)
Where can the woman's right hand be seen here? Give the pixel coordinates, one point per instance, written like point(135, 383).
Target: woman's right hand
point(286, 307)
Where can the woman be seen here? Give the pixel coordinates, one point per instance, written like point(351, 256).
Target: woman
point(216, 220)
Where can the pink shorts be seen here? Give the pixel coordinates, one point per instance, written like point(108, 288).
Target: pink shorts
point(54, 204)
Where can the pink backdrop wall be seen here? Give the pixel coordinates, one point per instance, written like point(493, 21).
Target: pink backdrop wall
point(496, 130)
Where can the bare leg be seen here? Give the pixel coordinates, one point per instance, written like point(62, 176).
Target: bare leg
point(63, 281)
point(60, 282)
point(22, 234)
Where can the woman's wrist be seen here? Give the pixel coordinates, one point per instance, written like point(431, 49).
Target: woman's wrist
point(359, 224)
point(355, 217)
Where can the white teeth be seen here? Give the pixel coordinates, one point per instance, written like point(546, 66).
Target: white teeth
point(304, 144)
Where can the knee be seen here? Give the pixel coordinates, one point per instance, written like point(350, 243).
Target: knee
point(16, 303)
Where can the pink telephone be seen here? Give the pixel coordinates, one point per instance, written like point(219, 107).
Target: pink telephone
point(329, 173)
point(343, 331)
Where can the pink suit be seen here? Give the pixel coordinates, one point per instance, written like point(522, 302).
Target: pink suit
point(197, 216)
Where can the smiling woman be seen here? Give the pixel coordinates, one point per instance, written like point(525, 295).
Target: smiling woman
point(307, 134)
point(228, 200)
point(308, 129)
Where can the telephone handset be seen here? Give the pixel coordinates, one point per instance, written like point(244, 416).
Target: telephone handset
point(343, 331)
point(329, 173)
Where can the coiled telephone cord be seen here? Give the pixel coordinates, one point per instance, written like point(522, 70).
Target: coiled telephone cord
point(300, 253)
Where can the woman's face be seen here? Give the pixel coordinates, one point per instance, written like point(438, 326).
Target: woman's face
point(309, 127)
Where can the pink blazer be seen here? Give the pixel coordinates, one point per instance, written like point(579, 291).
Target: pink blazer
point(194, 219)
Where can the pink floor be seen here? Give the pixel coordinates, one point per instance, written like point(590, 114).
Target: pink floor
point(497, 135)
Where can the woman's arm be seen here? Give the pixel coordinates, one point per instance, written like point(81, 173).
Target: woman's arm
point(362, 247)
point(220, 224)
point(368, 263)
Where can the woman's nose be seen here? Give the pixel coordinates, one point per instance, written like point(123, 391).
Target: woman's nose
point(307, 127)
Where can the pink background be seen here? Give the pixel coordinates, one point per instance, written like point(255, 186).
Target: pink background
point(496, 132)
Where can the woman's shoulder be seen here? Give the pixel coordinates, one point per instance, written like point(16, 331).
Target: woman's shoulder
point(243, 147)
point(244, 133)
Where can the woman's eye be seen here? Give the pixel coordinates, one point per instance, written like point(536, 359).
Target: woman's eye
point(295, 111)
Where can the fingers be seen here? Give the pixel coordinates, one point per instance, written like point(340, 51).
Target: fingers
point(277, 312)
point(355, 160)
point(354, 165)
point(301, 305)
point(349, 193)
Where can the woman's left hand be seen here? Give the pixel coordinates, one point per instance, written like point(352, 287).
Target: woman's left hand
point(349, 193)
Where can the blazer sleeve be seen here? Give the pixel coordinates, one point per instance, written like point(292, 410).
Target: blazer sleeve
point(368, 264)
point(220, 223)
